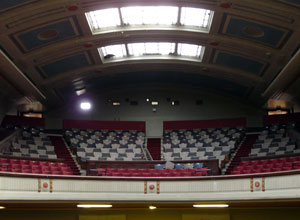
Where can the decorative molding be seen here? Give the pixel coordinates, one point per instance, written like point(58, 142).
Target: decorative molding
point(39, 185)
point(158, 187)
point(51, 185)
point(145, 187)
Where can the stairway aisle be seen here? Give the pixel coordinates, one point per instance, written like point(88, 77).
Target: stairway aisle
point(63, 153)
point(243, 151)
point(153, 145)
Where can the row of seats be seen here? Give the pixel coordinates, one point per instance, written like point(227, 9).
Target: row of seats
point(200, 144)
point(35, 167)
point(263, 166)
point(202, 136)
point(106, 144)
point(273, 140)
point(32, 142)
point(151, 172)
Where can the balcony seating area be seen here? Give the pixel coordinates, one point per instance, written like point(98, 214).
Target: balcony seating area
point(34, 167)
point(124, 145)
point(273, 140)
point(121, 172)
point(32, 142)
point(200, 144)
point(266, 166)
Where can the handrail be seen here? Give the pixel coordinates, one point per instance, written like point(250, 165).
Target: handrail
point(146, 151)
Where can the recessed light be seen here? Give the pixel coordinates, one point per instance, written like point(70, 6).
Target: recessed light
point(85, 105)
point(147, 100)
point(211, 206)
point(93, 206)
point(152, 207)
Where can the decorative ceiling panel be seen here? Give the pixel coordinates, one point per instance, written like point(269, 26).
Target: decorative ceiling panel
point(255, 31)
point(239, 62)
point(37, 37)
point(65, 64)
point(5, 4)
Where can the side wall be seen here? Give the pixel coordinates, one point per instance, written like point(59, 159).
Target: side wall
point(214, 106)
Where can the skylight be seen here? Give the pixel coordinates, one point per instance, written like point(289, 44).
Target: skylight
point(103, 18)
point(151, 48)
point(115, 51)
point(195, 17)
point(146, 17)
point(190, 50)
point(149, 15)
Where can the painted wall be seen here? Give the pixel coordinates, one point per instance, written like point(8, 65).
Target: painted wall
point(163, 214)
point(214, 106)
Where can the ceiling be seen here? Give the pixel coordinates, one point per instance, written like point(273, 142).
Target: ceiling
point(48, 50)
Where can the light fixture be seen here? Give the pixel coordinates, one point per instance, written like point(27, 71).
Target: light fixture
point(2, 207)
point(211, 206)
point(154, 103)
point(85, 106)
point(152, 207)
point(80, 92)
point(93, 206)
point(147, 100)
point(116, 103)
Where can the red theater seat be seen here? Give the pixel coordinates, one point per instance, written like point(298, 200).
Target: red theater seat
point(24, 162)
point(26, 171)
point(3, 160)
point(13, 161)
point(32, 162)
point(44, 163)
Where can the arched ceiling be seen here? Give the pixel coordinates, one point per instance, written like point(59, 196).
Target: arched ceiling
point(49, 50)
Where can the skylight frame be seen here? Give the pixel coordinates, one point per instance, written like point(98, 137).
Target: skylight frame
point(108, 50)
point(187, 14)
point(94, 23)
point(140, 15)
point(148, 48)
point(124, 23)
point(175, 52)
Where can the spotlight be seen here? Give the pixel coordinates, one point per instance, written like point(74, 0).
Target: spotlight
point(85, 106)
point(93, 206)
point(152, 207)
point(211, 206)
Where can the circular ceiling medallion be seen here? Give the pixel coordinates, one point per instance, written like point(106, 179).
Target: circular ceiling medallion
point(48, 34)
point(252, 31)
point(73, 8)
point(225, 5)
